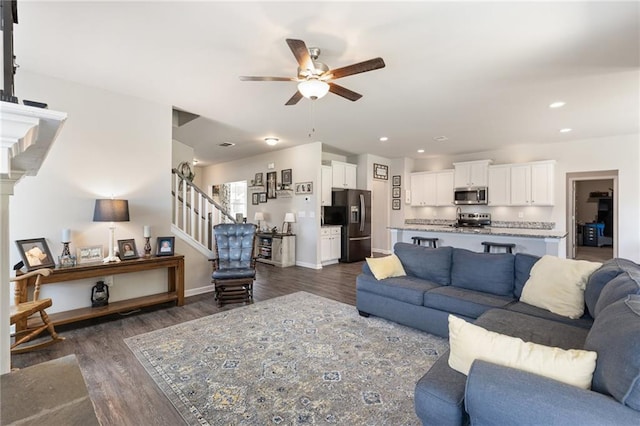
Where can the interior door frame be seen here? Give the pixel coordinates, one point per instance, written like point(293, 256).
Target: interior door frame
point(572, 179)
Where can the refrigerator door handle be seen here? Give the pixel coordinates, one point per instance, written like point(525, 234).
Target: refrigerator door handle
point(363, 213)
point(359, 238)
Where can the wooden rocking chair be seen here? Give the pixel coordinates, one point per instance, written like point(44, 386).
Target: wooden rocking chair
point(21, 311)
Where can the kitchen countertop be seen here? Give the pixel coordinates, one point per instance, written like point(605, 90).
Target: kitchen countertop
point(488, 230)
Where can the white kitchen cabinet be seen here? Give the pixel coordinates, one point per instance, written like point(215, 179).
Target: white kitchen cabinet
point(432, 188)
point(330, 244)
point(325, 185)
point(444, 188)
point(499, 185)
point(344, 175)
point(532, 184)
point(471, 173)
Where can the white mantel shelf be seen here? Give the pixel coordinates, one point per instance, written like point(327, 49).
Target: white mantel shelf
point(26, 135)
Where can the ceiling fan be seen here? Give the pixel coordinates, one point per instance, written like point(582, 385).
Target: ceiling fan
point(314, 78)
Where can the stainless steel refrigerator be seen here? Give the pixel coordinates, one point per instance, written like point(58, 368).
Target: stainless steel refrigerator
point(351, 208)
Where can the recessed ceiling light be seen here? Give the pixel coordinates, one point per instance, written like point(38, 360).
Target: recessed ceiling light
point(420, 151)
point(384, 139)
point(441, 138)
point(565, 130)
point(557, 104)
point(271, 141)
point(226, 144)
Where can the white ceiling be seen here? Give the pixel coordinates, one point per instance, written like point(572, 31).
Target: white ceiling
point(481, 74)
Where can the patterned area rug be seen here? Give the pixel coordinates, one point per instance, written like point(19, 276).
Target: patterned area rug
point(296, 359)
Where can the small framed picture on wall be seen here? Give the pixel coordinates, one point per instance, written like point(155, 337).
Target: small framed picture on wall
point(395, 204)
point(395, 192)
point(396, 180)
point(380, 171)
point(255, 198)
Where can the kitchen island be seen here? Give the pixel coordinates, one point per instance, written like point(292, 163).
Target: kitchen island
point(533, 241)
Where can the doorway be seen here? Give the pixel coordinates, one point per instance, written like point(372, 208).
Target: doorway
point(592, 210)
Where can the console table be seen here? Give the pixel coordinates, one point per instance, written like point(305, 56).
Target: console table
point(175, 284)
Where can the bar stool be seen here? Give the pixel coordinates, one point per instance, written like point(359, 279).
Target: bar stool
point(428, 242)
point(488, 244)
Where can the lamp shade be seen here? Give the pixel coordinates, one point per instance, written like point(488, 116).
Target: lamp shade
point(313, 88)
point(111, 211)
point(258, 216)
point(289, 217)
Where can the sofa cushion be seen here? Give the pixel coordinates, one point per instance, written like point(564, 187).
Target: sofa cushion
point(615, 336)
point(462, 301)
point(608, 271)
point(558, 285)
point(523, 263)
point(533, 329)
point(469, 342)
point(487, 272)
point(432, 264)
point(618, 288)
point(585, 321)
point(405, 289)
point(385, 267)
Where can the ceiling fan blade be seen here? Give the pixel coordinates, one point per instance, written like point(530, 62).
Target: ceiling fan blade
point(300, 51)
point(344, 92)
point(294, 99)
point(251, 78)
point(370, 65)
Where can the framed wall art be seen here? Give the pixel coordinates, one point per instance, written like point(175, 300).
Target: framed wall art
point(380, 171)
point(164, 246)
point(35, 254)
point(90, 254)
point(258, 179)
point(271, 184)
point(395, 204)
point(286, 177)
point(395, 192)
point(255, 198)
point(304, 188)
point(127, 249)
point(396, 180)
point(262, 197)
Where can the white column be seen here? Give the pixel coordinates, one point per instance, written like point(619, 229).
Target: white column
point(6, 190)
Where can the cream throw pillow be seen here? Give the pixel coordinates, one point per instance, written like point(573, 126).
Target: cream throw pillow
point(469, 342)
point(385, 267)
point(557, 285)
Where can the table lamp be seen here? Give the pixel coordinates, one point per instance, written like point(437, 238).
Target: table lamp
point(111, 211)
point(259, 216)
point(289, 218)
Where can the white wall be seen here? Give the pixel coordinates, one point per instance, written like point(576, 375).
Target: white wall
point(620, 153)
point(111, 145)
point(305, 161)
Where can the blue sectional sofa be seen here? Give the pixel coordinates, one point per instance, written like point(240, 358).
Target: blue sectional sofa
point(485, 289)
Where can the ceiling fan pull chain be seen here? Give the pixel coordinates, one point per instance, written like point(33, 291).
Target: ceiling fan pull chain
point(313, 118)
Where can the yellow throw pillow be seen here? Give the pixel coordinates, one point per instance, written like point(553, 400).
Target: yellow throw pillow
point(385, 267)
point(557, 285)
point(469, 342)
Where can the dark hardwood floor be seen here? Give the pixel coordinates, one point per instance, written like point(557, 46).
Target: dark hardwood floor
point(121, 390)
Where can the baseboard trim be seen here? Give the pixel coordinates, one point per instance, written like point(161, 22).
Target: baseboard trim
point(309, 265)
point(199, 290)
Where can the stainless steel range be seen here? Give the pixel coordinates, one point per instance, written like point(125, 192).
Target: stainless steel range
point(474, 220)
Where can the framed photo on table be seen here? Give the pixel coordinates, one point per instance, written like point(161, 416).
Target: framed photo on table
point(164, 246)
point(90, 254)
point(35, 254)
point(127, 249)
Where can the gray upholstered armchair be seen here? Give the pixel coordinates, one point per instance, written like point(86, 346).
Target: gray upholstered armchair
point(234, 265)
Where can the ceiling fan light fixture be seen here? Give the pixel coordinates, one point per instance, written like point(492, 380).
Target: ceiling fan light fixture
point(313, 88)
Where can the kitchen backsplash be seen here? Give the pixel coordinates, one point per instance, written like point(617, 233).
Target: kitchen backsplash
point(494, 223)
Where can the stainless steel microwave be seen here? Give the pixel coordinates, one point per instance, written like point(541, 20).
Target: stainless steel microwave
point(473, 195)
